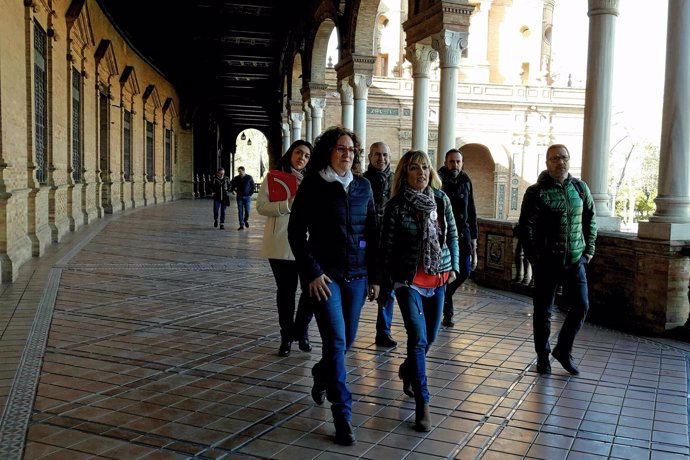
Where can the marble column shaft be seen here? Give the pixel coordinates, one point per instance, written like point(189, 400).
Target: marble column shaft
point(296, 120)
point(317, 105)
point(421, 57)
point(673, 200)
point(597, 121)
point(449, 45)
point(307, 122)
point(285, 129)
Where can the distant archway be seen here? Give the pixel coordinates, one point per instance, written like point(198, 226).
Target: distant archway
point(251, 151)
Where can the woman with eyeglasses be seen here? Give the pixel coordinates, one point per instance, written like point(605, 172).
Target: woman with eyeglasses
point(419, 253)
point(332, 233)
point(275, 246)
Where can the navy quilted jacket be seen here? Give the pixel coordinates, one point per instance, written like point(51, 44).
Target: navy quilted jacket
point(334, 232)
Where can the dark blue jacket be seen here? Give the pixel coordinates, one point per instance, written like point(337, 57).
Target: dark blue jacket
point(459, 190)
point(243, 186)
point(334, 232)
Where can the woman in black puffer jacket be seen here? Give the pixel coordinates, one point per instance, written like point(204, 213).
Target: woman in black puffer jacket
point(332, 233)
point(419, 255)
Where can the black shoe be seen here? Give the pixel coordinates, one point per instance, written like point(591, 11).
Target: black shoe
point(566, 361)
point(447, 321)
point(304, 345)
point(543, 365)
point(246, 224)
point(422, 418)
point(385, 340)
point(215, 223)
point(241, 227)
point(344, 434)
point(222, 227)
point(407, 385)
point(318, 390)
point(284, 350)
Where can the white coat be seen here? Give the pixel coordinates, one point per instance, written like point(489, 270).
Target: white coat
point(275, 243)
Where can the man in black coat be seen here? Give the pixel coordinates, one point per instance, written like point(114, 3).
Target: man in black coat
point(243, 186)
point(380, 176)
point(458, 186)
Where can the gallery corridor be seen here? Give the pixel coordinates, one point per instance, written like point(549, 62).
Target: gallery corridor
point(151, 334)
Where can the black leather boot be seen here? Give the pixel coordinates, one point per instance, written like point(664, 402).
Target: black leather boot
point(285, 346)
point(422, 418)
point(344, 433)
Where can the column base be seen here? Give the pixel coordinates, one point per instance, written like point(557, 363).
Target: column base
point(609, 223)
point(663, 231)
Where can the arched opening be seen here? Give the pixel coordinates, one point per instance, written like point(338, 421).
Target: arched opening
point(251, 151)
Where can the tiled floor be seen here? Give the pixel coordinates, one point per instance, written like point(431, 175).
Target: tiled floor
point(153, 335)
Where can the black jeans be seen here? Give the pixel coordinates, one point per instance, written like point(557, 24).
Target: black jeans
point(465, 270)
point(546, 280)
point(285, 274)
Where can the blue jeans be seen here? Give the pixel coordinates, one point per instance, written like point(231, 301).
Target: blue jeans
point(465, 270)
point(385, 315)
point(422, 318)
point(338, 318)
point(546, 280)
point(292, 327)
point(243, 205)
point(219, 206)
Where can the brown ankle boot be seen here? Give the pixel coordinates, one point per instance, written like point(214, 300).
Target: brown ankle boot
point(422, 420)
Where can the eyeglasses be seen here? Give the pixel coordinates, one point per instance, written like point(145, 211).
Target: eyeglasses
point(341, 149)
point(559, 158)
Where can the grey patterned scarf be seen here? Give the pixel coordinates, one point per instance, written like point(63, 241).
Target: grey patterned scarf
point(424, 203)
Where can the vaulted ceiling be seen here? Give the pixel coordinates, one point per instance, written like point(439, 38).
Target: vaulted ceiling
point(223, 56)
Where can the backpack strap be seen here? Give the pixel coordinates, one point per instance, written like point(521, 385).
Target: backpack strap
point(578, 186)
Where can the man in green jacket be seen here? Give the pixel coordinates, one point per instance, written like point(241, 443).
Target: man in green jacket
point(558, 231)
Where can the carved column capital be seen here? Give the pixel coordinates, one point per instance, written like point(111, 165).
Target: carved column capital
point(449, 44)
point(346, 92)
point(360, 84)
point(296, 117)
point(421, 57)
point(317, 104)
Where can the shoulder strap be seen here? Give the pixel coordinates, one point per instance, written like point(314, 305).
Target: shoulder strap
point(578, 186)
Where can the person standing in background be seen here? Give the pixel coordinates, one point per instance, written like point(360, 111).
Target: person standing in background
point(243, 186)
point(458, 186)
point(221, 187)
point(380, 177)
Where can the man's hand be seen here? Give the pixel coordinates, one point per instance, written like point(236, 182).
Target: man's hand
point(589, 257)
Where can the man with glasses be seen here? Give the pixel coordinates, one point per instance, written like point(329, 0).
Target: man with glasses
point(558, 230)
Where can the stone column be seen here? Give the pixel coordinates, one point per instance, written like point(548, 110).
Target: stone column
point(285, 128)
point(449, 45)
point(307, 122)
point(317, 104)
point(346, 102)
point(360, 84)
point(671, 220)
point(421, 57)
point(597, 123)
point(296, 119)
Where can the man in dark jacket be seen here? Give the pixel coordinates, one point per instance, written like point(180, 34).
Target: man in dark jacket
point(558, 230)
point(243, 186)
point(380, 176)
point(458, 187)
point(220, 184)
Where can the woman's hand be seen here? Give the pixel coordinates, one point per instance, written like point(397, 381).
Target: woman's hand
point(451, 277)
point(318, 288)
point(374, 290)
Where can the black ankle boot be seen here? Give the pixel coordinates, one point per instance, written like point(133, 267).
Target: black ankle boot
point(422, 418)
point(284, 350)
point(318, 390)
point(344, 434)
point(407, 384)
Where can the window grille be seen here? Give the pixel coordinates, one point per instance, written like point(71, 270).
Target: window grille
point(149, 151)
point(127, 146)
point(40, 103)
point(168, 155)
point(76, 125)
